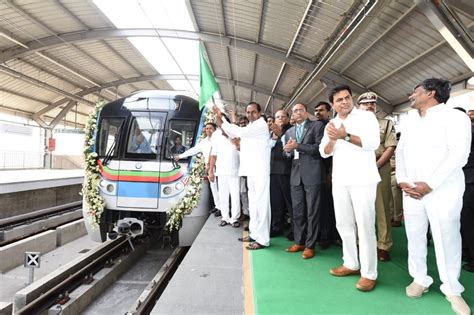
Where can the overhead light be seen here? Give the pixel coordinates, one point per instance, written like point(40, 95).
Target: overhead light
point(470, 81)
point(13, 40)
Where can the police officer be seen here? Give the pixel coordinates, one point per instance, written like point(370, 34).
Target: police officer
point(388, 142)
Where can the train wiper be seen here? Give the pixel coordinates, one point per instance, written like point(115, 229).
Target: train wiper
point(111, 151)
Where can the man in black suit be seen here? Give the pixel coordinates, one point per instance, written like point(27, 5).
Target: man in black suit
point(328, 231)
point(302, 146)
point(280, 170)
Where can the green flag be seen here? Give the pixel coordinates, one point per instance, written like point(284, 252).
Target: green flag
point(206, 80)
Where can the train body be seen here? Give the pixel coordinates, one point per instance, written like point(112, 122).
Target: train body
point(136, 139)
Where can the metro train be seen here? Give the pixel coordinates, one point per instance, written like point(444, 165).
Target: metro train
point(136, 139)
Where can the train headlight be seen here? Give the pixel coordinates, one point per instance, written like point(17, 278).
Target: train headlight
point(167, 190)
point(179, 186)
point(102, 183)
point(110, 188)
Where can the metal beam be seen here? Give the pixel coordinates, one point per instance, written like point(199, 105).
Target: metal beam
point(43, 85)
point(406, 64)
point(341, 39)
point(260, 25)
point(25, 96)
point(463, 48)
point(365, 50)
point(293, 41)
point(161, 77)
point(332, 79)
point(99, 34)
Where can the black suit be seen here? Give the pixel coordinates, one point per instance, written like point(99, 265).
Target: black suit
point(467, 212)
point(306, 179)
point(280, 196)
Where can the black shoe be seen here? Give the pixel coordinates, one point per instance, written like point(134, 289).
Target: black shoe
point(469, 267)
point(213, 210)
point(324, 244)
point(337, 243)
point(275, 233)
point(217, 213)
point(290, 236)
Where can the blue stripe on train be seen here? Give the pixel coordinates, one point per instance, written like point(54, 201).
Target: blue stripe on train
point(138, 190)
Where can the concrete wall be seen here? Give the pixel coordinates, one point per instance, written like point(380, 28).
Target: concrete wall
point(26, 201)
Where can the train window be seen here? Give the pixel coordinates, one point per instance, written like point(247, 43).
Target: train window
point(181, 136)
point(144, 136)
point(108, 137)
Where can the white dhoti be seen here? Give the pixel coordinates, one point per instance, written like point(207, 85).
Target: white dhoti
point(259, 208)
point(215, 193)
point(229, 186)
point(441, 209)
point(354, 207)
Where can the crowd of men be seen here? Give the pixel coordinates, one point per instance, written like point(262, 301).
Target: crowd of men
point(331, 181)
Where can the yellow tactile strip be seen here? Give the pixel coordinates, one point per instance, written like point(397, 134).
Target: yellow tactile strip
point(248, 286)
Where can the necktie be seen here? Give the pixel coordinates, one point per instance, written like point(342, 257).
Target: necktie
point(299, 132)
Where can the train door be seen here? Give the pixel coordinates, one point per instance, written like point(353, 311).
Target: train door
point(138, 175)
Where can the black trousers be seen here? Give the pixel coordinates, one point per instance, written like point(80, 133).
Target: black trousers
point(306, 202)
point(467, 221)
point(280, 200)
point(328, 230)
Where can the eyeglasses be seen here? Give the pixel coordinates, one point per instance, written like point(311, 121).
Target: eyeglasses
point(299, 110)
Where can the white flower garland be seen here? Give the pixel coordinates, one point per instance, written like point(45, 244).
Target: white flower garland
point(90, 189)
point(193, 193)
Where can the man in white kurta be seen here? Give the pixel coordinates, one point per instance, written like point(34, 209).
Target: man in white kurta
point(225, 156)
point(434, 146)
point(352, 138)
point(255, 164)
point(204, 146)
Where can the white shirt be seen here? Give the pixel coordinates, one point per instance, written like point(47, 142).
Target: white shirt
point(203, 146)
point(354, 165)
point(433, 149)
point(254, 147)
point(227, 162)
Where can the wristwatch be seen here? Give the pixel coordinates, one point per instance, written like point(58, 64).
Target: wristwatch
point(347, 137)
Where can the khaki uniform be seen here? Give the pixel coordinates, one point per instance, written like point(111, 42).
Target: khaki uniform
point(384, 189)
point(396, 203)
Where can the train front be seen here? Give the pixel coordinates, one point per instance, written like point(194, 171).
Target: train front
point(136, 141)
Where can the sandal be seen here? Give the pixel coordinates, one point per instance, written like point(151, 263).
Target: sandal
point(223, 223)
point(236, 224)
point(255, 246)
point(246, 239)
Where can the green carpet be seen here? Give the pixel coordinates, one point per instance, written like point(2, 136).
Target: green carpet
point(284, 283)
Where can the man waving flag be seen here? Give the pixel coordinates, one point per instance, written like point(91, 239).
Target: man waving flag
point(207, 82)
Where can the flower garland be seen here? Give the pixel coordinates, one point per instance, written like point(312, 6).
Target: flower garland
point(90, 189)
point(193, 193)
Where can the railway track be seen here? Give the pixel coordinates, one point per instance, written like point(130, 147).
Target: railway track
point(79, 285)
point(22, 226)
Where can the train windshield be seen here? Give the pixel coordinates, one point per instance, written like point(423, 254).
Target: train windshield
point(145, 135)
point(108, 137)
point(181, 136)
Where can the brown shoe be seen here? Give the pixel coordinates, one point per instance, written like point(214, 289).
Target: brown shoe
point(295, 248)
point(383, 255)
point(308, 253)
point(343, 271)
point(365, 284)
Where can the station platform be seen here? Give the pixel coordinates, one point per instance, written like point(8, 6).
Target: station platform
point(25, 191)
point(24, 180)
point(218, 275)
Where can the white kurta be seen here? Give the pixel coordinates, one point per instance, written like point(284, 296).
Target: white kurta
point(354, 183)
point(227, 172)
point(433, 149)
point(204, 146)
point(255, 164)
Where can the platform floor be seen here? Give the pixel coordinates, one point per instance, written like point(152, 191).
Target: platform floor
point(213, 278)
point(24, 180)
point(209, 279)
